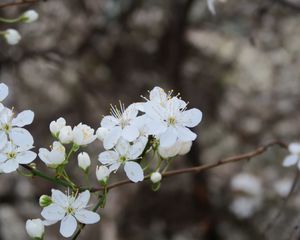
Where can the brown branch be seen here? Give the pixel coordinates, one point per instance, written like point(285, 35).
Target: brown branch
point(198, 169)
point(17, 3)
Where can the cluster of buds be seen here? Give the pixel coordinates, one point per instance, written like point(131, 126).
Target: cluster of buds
point(12, 36)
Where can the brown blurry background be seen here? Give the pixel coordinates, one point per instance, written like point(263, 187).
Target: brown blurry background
point(241, 68)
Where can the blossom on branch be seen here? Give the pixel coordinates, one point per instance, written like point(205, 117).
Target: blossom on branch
point(69, 209)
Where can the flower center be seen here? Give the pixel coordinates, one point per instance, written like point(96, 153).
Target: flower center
point(11, 155)
point(6, 127)
point(171, 121)
point(70, 210)
point(122, 159)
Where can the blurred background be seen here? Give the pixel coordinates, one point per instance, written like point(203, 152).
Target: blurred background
point(240, 67)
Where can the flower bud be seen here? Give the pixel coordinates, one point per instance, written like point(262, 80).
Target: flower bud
point(45, 200)
point(155, 177)
point(66, 135)
point(102, 174)
point(35, 228)
point(30, 16)
point(84, 161)
point(12, 36)
point(83, 134)
point(56, 126)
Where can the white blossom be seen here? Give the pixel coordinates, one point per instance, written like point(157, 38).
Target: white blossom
point(171, 121)
point(12, 36)
point(30, 16)
point(244, 207)
point(66, 135)
point(120, 124)
point(12, 126)
point(35, 228)
point(12, 155)
point(155, 177)
point(83, 134)
point(102, 173)
point(294, 156)
point(56, 126)
point(84, 161)
point(55, 157)
point(124, 154)
point(69, 210)
point(101, 133)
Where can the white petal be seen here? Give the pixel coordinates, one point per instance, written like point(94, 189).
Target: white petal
point(24, 118)
point(21, 137)
point(108, 157)
point(60, 198)
point(114, 167)
point(3, 91)
point(154, 110)
point(192, 117)
point(134, 171)
point(168, 138)
point(82, 200)
point(68, 226)
point(9, 166)
point(185, 134)
point(3, 157)
point(290, 160)
point(122, 146)
point(49, 222)
point(109, 122)
point(53, 212)
point(26, 157)
point(294, 148)
point(137, 147)
point(112, 138)
point(86, 216)
point(131, 111)
point(158, 94)
point(3, 139)
point(185, 147)
point(130, 133)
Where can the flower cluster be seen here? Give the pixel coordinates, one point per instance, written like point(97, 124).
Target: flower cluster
point(160, 124)
point(15, 141)
point(12, 36)
point(142, 138)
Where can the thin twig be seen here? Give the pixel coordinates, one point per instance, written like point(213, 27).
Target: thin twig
point(17, 3)
point(197, 169)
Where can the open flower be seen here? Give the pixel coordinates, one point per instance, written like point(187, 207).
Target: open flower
point(83, 134)
point(12, 126)
point(69, 210)
point(11, 156)
point(55, 157)
point(172, 121)
point(124, 154)
point(120, 124)
point(294, 157)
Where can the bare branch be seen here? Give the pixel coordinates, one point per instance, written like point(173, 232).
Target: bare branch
point(17, 3)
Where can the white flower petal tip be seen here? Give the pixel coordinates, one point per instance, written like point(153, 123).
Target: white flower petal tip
point(3, 91)
point(134, 171)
